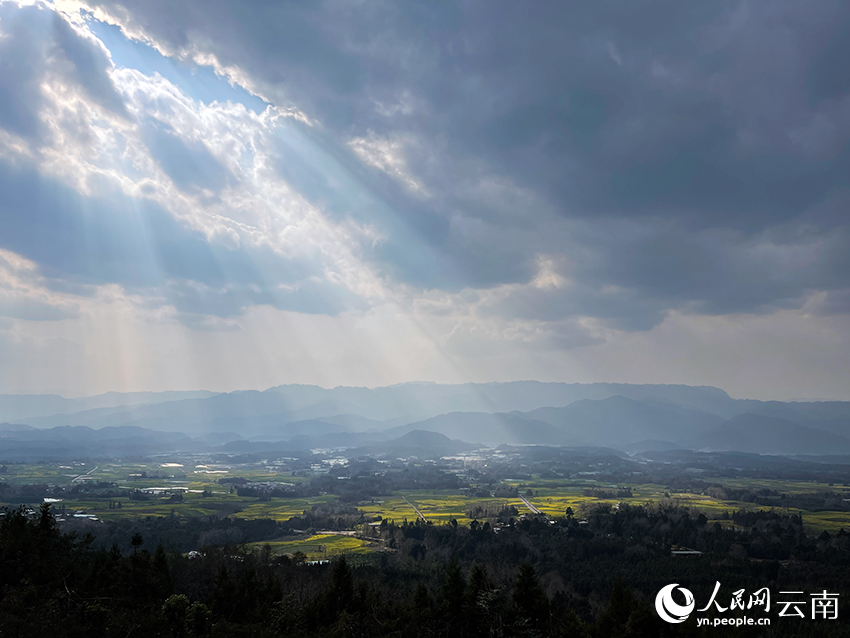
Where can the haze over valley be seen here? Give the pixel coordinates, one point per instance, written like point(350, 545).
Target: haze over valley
point(622, 417)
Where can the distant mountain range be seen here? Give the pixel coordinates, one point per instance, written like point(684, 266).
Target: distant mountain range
point(15, 407)
point(620, 416)
point(490, 429)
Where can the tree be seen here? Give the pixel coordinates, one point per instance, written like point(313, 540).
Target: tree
point(452, 592)
point(198, 620)
point(530, 601)
point(46, 521)
point(614, 619)
point(342, 585)
point(174, 612)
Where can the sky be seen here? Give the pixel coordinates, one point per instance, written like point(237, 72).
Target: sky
point(221, 195)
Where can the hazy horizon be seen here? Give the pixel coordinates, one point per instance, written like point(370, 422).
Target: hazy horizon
point(420, 382)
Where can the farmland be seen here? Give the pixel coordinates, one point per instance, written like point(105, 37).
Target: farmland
point(196, 487)
point(319, 546)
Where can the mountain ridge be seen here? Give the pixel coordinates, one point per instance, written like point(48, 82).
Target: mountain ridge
point(517, 412)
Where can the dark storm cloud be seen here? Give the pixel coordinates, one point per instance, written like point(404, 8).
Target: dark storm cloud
point(420, 246)
point(828, 78)
point(710, 271)
point(836, 302)
point(676, 154)
point(718, 273)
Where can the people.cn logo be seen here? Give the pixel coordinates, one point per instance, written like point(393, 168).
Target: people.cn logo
point(669, 609)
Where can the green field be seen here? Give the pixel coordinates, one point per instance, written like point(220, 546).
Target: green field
point(553, 497)
point(189, 479)
point(319, 546)
point(204, 496)
point(438, 506)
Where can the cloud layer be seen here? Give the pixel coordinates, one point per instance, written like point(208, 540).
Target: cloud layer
point(511, 183)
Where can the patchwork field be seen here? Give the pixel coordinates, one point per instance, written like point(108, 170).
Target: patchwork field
point(202, 495)
point(437, 506)
point(319, 546)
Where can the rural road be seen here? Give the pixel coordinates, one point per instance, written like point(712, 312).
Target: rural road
point(81, 476)
point(421, 515)
point(529, 505)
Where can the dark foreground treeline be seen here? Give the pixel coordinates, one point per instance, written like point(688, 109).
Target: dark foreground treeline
point(531, 578)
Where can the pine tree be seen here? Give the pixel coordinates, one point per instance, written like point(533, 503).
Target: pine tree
point(453, 594)
point(530, 601)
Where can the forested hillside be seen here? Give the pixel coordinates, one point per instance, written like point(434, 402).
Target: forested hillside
point(531, 578)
